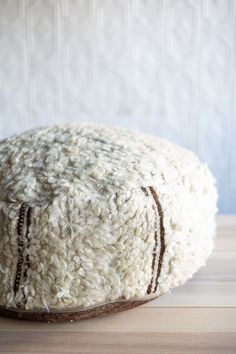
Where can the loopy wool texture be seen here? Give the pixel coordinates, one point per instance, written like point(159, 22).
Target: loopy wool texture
point(98, 219)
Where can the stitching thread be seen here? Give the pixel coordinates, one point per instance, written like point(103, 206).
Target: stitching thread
point(162, 234)
point(28, 217)
point(20, 225)
point(162, 239)
point(24, 219)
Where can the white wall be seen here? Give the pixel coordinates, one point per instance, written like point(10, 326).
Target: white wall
point(159, 66)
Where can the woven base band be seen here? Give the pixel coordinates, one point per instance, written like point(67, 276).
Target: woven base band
point(73, 316)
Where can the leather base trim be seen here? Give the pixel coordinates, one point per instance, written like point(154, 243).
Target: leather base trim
point(101, 310)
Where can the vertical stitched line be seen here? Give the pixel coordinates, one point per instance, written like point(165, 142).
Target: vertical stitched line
point(149, 288)
point(144, 191)
point(162, 234)
point(20, 225)
point(28, 217)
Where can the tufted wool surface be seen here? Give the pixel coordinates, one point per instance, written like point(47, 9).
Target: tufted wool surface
point(92, 215)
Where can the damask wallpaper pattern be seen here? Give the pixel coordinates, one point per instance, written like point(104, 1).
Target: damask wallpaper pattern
point(166, 67)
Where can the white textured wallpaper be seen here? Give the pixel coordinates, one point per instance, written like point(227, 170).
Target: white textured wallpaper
point(159, 66)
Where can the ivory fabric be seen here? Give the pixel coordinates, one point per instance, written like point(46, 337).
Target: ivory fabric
point(92, 214)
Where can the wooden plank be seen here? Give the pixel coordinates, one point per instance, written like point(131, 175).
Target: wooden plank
point(125, 343)
point(199, 294)
point(226, 220)
point(141, 319)
point(213, 285)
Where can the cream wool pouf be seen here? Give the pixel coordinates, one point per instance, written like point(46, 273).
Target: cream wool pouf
point(98, 219)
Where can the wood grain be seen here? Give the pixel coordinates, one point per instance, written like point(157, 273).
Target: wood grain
point(125, 343)
point(198, 317)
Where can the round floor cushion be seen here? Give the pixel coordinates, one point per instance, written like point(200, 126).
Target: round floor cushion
point(98, 219)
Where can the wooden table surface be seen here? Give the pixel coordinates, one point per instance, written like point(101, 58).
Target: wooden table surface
point(198, 317)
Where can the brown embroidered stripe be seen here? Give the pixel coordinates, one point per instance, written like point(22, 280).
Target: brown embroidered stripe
point(20, 246)
point(162, 234)
point(149, 288)
point(28, 242)
point(23, 244)
point(144, 191)
point(157, 257)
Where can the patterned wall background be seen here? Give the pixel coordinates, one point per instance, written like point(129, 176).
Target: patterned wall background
point(166, 67)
